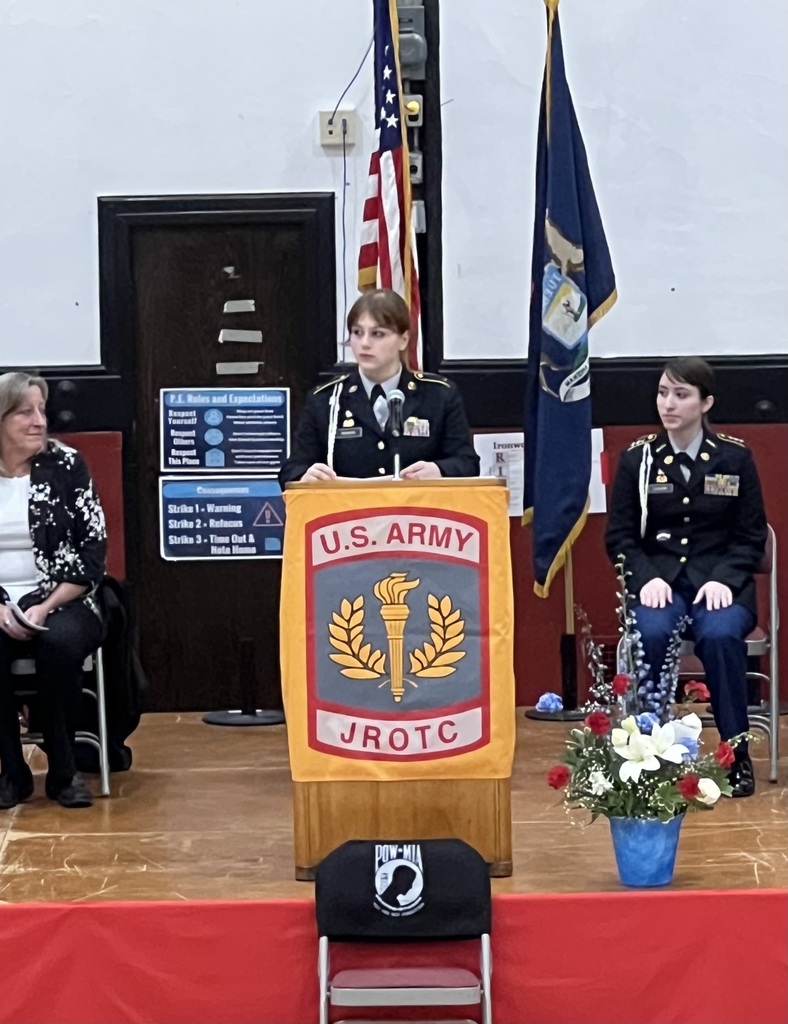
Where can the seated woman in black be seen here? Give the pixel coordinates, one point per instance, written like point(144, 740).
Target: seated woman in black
point(52, 552)
point(343, 428)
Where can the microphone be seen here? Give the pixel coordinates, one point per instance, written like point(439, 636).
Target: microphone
point(396, 398)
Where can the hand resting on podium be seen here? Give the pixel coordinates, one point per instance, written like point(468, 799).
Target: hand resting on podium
point(319, 472)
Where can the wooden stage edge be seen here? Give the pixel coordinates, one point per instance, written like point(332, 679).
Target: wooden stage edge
point(207, 812)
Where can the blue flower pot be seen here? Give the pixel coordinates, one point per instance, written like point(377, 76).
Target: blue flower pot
point(645, 849)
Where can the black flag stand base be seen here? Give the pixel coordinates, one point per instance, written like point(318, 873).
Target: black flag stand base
point(571, 712)
point(249, 713)
point(257, 717)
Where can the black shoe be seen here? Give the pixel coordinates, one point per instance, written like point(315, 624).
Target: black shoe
point(73, 794)
point(741, 777)
point(13, 793)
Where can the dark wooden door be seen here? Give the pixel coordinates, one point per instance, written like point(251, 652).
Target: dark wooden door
point(209, 631)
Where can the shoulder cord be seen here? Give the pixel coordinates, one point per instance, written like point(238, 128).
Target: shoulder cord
point(333, 420)
point(644, 473)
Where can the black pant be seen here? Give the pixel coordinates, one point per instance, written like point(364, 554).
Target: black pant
point(74, 632)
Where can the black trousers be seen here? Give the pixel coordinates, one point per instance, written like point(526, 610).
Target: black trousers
point(74, 632)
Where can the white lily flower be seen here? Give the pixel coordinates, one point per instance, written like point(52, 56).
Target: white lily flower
point(619, 737)
point(639, 755)
point(630, 725)
point(709, 791)
point(600, 783)
point(689, 726)
point(664, 739)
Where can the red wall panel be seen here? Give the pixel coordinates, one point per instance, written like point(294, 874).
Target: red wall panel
point(538, 623)
point(103, 452)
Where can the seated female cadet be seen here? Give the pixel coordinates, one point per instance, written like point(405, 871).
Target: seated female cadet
point(52, 551)
point(687, 513)
point(343, 428)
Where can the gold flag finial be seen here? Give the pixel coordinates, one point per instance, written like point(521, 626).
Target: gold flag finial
point(551, 5)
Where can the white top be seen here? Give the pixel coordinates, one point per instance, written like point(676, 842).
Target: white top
point(18, 573)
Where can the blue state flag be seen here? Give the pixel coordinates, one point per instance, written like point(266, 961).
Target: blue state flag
point(572, 286)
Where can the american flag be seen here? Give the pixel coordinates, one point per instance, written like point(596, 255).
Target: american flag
point(387, 257)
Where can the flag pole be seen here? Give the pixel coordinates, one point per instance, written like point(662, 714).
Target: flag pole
point(569, 645)
point(569, 594)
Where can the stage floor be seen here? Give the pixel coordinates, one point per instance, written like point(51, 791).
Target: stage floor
point(205, 813)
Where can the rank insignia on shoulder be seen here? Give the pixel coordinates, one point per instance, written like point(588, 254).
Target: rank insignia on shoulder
point(732, 440)
point(330, 384)
point(431, 378)
point(645, 439)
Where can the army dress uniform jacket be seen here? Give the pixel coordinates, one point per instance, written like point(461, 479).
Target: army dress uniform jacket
point(712, 525)
point(435, 430)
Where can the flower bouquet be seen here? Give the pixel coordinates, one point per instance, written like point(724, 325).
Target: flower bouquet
point(635, 760)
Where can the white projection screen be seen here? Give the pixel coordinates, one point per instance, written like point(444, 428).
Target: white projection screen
point(682, 107)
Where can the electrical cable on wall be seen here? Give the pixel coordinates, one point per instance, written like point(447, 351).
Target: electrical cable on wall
point(345, 185)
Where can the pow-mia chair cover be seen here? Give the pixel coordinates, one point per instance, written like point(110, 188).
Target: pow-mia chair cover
point(401, 891)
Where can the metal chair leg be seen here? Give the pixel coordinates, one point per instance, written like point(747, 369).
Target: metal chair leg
point(102, 722)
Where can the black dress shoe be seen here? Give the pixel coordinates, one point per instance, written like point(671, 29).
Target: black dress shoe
point(741, 777)
point(13, 793)
point(73, 794)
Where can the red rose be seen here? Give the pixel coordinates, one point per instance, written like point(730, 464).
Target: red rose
point(724, 755)
point(688, 786)
point(620, 684)
point(598, 723)
point(696, 691)
point(558, 777)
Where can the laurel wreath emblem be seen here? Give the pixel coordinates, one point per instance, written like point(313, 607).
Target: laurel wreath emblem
point(346, 634)
point(436, 659)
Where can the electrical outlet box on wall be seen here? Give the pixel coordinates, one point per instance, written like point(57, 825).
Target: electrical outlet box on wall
point(337, 129)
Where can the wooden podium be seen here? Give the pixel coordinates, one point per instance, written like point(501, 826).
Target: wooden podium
point(397, 664)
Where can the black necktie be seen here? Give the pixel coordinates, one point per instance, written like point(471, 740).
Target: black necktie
point(376, 393)
point(685, 459)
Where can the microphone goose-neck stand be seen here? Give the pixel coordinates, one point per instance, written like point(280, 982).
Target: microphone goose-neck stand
point(396, 398)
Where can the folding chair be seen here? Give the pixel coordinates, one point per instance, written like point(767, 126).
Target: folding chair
point(414, 893)
point(25, 667)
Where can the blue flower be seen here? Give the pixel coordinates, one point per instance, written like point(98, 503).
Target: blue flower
point(549, 702)
point(646, 722)
point(692, 746)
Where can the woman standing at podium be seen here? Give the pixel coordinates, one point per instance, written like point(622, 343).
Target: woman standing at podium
point(344, 430)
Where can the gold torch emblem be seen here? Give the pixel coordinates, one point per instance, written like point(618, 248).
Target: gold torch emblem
point(391, 593)
point(434, 660)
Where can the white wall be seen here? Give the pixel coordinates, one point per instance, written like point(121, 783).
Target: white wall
point(683, 111)
point(682, 108)
point(140, 97)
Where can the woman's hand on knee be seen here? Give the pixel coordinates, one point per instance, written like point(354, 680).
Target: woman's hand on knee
point(11, 627)
point(656, 594)
point(716, 595)
point(37, 613)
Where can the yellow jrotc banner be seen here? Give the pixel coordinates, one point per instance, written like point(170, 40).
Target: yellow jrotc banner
point(397, 631)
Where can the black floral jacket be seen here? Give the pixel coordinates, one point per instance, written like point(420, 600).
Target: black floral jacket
point(66, 525)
